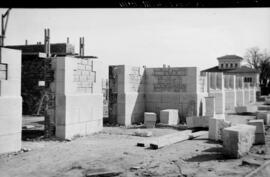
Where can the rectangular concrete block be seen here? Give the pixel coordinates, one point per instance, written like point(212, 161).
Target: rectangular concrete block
point(150, 119)
point(238, 139)
point(169, 116)
point(216, 126)
point(259, 125)
point(197, 121)
point(265, 116)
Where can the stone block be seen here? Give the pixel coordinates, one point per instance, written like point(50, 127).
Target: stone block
point(150, 119)
point(259, 138)
point(198, 121)
point(245, 109)
point(265, 116)
point(238, 139)
point(169, 116)
point(267, 101)
point(216, 126)
point(259, 125)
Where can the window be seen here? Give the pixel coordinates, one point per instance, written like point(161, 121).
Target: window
point(247, 79)
point(3, 71)
point(231, 65)
point(236, 65)
point(226, 65)
point(221, 65)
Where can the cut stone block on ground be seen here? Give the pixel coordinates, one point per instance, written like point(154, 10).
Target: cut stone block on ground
point(169, 116)
point(198, 122)
point(237, 140)
point(265, 116)
point(150, 119)
point(216, 126)
point(258, 124)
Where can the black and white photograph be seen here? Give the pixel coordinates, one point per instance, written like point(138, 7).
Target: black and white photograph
point(135, 90)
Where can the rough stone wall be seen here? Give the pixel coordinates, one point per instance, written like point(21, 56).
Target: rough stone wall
point(11, 102)
point(79, 99)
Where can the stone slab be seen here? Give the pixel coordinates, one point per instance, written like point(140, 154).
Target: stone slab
point(238, 139)
point(169, 116)
point(259, 125)
point(262, 171)
point(198, 121)
point(216, 126)
point(265, 116)
point(259, 138)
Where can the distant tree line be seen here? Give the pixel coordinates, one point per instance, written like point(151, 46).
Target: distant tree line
point(260, 60)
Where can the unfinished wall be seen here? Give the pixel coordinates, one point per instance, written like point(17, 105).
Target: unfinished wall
point(79, 106)
point(126, 94)
point(175, 88)
point(11, 102)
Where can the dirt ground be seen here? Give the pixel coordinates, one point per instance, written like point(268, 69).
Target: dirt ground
point(115, 149)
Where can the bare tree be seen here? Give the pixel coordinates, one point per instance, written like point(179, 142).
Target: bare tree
point(253, 57)
point(261, 61)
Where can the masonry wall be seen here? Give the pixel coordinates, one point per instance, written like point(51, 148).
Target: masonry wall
point(11, 102)
point(127, 102)
point(174, 88)
point(79, 100)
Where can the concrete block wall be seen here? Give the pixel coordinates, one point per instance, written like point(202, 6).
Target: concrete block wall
point(175, 88)
point(79, 100)
point(11, 102)
point(127, 88)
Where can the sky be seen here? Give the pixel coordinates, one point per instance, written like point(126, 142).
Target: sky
point(178, 37)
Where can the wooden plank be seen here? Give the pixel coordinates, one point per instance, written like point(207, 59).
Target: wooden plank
point(170, 139)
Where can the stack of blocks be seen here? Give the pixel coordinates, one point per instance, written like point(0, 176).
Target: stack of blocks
point(198, 121)
point(259, 133)
point(216, 126)
point(265, 116)
point(169, 116)
point(238, 139)
point(150, 119)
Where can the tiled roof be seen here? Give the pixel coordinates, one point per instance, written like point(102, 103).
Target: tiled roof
point(242, 69)
point(230, 57)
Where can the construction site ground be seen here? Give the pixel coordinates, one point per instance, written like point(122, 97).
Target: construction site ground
point(114, 149)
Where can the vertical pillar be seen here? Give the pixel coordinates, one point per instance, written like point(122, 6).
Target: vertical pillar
point(81, 46)
point(47, 42)
point(210, 108)
point(234, 90)
point(243, 90)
